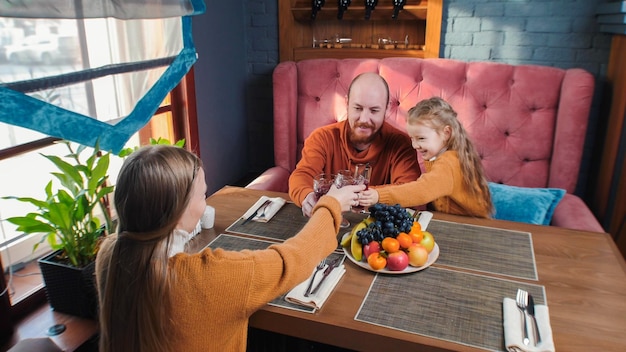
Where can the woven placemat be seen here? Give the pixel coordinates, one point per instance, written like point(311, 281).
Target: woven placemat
point(237, 243)
point(285, 224)
point(455, 306)
point(485, 249)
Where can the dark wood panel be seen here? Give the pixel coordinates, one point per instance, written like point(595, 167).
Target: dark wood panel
point(609, 199)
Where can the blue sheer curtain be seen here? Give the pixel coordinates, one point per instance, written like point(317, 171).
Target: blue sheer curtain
point(92, 71)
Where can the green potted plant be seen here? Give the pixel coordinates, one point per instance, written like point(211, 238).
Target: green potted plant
point(127, 151)
point(68, 221)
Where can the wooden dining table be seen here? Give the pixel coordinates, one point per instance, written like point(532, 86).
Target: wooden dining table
point(583, 273)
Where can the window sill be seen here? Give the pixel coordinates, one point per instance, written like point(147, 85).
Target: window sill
point(26, 282)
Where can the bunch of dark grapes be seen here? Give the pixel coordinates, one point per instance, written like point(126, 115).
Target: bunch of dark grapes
point(390, 220)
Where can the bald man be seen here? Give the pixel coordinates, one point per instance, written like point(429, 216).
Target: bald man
point(363, 138)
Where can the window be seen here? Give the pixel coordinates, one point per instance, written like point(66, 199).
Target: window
point(34, 48)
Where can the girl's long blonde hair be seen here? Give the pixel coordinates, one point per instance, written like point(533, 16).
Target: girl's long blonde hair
point(151, 194)
point(436, 113)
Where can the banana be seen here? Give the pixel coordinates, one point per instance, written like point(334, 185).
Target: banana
point(356, 248)
point(345, 241)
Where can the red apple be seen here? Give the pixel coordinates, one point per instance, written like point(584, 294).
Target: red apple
point(397, 261)
point(418, 255)
point(372, 247)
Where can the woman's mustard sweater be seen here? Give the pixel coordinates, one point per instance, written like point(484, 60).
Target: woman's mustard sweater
point(216, 291)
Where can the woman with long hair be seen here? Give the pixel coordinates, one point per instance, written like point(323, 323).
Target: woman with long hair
point(155, 297)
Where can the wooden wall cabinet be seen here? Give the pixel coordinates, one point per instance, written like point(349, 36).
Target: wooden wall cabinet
point(415, 32)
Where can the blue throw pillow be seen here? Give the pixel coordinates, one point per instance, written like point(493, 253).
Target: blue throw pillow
point(524, 204)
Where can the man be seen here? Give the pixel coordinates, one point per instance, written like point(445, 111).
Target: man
point(364, 137)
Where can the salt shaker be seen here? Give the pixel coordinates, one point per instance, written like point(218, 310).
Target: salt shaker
point(208, 218)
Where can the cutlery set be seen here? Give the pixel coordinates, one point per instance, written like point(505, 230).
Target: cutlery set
point(319, 267)
point(327, 272)
point(260, 209)
point(526, 306)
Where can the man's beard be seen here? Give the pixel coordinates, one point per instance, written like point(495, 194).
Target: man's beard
point(355, 139)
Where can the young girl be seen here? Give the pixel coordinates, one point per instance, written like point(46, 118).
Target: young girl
point(454, 181)
point(154, 297)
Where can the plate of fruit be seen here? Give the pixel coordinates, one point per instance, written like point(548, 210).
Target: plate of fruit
point(390, 241)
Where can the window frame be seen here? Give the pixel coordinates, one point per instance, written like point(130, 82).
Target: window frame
point(182, 107)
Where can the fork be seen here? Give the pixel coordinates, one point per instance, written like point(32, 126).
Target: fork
point(522, 301)
point(262, 215)
point(319, 267)
point(332, 265)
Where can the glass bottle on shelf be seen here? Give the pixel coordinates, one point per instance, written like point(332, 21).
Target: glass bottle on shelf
point(316, 5)
point(370, 5)
point(343, 7)
point(398, 5)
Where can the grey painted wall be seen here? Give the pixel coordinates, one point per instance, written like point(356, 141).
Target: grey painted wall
point(221, 77)
point(233, 75)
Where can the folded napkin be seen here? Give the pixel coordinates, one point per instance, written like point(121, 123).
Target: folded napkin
point(424, 219)
point(316, 301)
point(270, 211)
point(513, 331)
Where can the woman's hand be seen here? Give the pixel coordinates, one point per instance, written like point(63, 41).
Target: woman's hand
point(347, 196)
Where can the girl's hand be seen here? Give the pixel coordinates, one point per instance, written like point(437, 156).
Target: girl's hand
point(347, 196)
point(308, 204)
point(368, 197)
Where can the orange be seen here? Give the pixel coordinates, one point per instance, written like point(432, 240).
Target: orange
point(390, 244)
point(416, 228)
point(377, 261)
point(416, 232)
point(416, 237)
point(404, 239)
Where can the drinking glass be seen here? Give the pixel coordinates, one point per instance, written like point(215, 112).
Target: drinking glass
point(362, 173)
point(321, 184)
point(343, 178)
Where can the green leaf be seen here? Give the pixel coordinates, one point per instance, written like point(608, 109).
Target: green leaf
point(66, 168)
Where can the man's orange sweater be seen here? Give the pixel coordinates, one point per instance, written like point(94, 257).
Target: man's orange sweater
point(327, 150)
point(441, 184)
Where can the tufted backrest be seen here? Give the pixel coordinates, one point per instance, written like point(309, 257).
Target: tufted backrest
point(528, 122)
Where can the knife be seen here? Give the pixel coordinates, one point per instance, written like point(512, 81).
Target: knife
point(267, 201)
point(531, 312)
point(327, 272)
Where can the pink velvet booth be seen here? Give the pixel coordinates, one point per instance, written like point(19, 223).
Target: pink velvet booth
point(528, 122)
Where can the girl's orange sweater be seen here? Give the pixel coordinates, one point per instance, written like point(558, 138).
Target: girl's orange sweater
point(441, 186)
